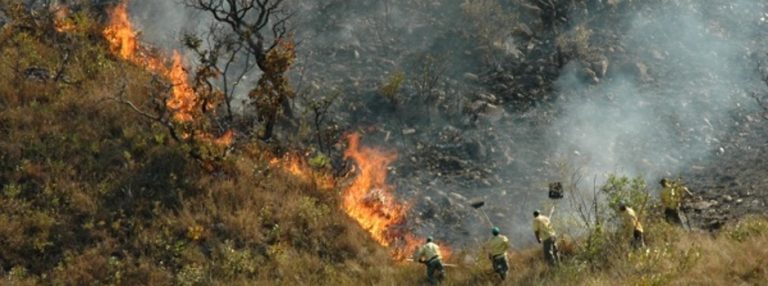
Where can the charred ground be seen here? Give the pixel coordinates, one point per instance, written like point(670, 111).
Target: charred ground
point(98, 193)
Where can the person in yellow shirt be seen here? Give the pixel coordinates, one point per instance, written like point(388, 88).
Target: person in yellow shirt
point(429, 254)
point(671, 199)
point(497, 248)
point(546, 234)
point(632, 225)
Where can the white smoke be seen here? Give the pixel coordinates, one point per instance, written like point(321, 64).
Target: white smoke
point(700, 72)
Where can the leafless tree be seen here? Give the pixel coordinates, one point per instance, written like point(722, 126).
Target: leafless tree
point(249, 34)
point(249, 20)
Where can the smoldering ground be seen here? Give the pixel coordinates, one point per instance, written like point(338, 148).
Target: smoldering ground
point(678, 76)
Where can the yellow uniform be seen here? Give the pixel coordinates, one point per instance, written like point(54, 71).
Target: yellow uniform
point(497, 248)
point(631, 223)
point(670, 197)
point(633, 227)
point(427, 251)
point(429, 254)
point(542, 226)
point(497, 245)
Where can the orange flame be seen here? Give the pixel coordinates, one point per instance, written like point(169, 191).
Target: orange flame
point(120, 34)
point(370, 202)
point(296, 166)
point(226, 139)
point(123, 41)
point(183, 100)
point(61, 21)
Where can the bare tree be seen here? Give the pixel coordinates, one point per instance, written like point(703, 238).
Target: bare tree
point(249, 34)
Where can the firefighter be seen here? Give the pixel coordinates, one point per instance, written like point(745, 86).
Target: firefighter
point(429, 254)
point(671, 199)
point(632, 225)
point(546, 234)
point(497, 248)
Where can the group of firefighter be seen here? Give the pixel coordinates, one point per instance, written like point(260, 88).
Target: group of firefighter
point(497, 246)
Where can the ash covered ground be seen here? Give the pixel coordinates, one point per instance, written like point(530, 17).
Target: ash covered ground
point(499, 98)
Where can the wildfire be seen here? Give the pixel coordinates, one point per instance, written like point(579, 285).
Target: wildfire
point(296, 166)
point(226, 139)
point(183, 100)
point(370, 202)
point(62, 22)
point(123, 42)
point(122, 38)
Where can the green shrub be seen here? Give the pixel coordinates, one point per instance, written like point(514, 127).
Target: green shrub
point(747, 228)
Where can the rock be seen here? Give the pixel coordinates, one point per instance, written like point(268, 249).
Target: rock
point(524, 29)
point(642, 71)
point(408, 131)
point(388, 62)
point(492, 112)
point(450, 163)
point(471, 76)
point(600, 67)
point(488, 97)
point(591, 75)
point(458, 196)
point(703, 205)
point(476, 150)
point(727, 198)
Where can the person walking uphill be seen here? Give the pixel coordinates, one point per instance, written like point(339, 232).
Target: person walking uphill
point(429, 254)
point(497, 248)
point(546, 234)
point(632, 225)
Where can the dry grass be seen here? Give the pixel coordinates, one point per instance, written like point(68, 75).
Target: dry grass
point(94, 194)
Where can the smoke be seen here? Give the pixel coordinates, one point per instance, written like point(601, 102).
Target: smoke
point(678, 80)
point(162, 23)
point(691, 68)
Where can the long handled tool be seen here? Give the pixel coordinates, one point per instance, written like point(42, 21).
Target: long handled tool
point(477, 205)
point(444, 264)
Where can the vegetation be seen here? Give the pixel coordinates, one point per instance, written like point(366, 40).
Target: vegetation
point(93, 193)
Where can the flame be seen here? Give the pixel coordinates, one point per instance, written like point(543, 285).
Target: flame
point(124, 42)
point(370, 202)
point(61, 21)
point(183, 100)
point(296, 166)
point(226, 139)
point(122, 38)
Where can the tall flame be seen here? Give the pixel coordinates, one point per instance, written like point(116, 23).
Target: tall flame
point(370, 202)
point(120, 33)
point(183, 100)
point(123, 41)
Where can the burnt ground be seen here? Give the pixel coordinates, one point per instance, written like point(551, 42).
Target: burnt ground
point(484, 128)
point(735, 184)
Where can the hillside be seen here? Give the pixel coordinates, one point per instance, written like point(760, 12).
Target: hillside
point(127, 163)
